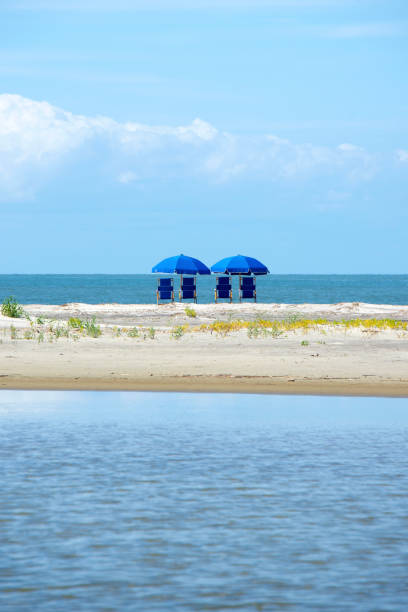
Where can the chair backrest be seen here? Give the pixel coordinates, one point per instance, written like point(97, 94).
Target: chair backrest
point(165, 289)
point(247, 288)
point(165, 285)
point(165, 282)
point(223, 288)
point(223, 282)
point(247, 282)
point(188, 288)
point(189, 282)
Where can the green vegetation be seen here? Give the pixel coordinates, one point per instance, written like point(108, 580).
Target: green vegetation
point(255, 329)
point(178, 331)
point(190, 312)
point(60, 331)
point(89, 327)
point(11, 308)
point(76, 328)
point(92, 329)
point(76, 323)
point(133, 333)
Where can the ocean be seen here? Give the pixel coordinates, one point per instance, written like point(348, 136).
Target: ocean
point(141, 288)
point(142, 501)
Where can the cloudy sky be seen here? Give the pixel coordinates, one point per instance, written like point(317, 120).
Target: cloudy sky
point(134, 130)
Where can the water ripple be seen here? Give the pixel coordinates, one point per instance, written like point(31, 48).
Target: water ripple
point(199, 509)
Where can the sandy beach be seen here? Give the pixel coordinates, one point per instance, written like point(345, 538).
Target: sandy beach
point(149, 347)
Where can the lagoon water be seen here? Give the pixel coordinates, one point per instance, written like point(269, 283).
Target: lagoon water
point(140, 501)
point(141, 288)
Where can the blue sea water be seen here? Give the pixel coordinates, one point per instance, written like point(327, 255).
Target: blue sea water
point(140, 501)
point(141, 288)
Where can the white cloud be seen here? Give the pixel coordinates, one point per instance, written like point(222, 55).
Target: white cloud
point(38, 140)
point(138, 134)
point(37, 129)
point(402, 156)
point(34, 138)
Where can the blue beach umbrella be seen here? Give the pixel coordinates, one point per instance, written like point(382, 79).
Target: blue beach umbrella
point(239, 264)
point(181, 264)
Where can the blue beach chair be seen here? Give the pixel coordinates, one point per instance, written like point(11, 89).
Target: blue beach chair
point(223, 288)
point(188, 289)
point(165, 289)
point(247, 288)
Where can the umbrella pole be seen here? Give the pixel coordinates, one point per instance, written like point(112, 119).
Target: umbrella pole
point(239, 287)
point(181, 284)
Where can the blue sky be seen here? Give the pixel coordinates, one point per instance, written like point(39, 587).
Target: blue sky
point(134, 130)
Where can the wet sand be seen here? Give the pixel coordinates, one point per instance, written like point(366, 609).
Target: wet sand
point(319, 361)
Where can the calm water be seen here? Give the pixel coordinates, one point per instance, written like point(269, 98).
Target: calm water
point(137, 501)
point(141, 288)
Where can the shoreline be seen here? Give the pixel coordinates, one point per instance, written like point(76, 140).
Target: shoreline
point(216, 384)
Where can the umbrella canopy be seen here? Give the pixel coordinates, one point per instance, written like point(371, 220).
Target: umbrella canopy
point(181, 264)
point(239, 264)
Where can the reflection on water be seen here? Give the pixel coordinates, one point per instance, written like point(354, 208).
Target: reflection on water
point(124, 501)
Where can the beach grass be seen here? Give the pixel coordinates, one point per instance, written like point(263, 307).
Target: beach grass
point(133, 333)
point(190, 312)
point(76, 328)
point(11, 308)
point(178, 331)
point(92, 329)
point(75, 323)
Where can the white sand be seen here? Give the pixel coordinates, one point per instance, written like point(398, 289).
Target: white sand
point(329, 360)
